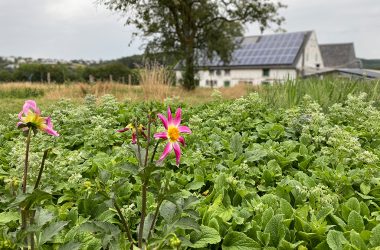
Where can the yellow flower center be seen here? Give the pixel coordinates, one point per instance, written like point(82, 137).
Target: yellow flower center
point(173, 133)
point(34, 119)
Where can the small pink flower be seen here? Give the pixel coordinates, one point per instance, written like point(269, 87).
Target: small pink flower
point(172, 134)
point(130, 126)
point(34, 120)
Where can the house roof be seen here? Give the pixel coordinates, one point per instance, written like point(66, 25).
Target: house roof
point(364, 73)
point(281, 50)
point(339, 55)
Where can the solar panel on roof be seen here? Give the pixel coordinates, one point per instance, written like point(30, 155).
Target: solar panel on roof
point(270, 49)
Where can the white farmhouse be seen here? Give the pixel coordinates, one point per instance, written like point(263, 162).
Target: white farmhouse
point(260, 59)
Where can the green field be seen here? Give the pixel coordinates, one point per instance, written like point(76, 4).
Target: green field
point(289, 166)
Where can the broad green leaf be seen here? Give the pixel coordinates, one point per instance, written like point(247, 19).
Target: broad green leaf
point(353, 204)
point(70, 246)
point(365, 188)
point(50, 231)
point(336, 240)
point(357, 241)
point(195, 185)
point(286, 209)
point(276, 229)
point(284, 244)
point(236, 145)
point(43, 216)
point(239, 241)
point(187, 223)
point(168, 210)
point(6, 217)
point(355, 221)
point(204, 237)
point(375, 238)
point(267, 215)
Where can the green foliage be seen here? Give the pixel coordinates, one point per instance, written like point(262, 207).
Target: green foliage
point(251, 176)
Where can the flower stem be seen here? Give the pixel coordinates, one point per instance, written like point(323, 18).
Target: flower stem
point(24, 211)
point(138, 146)
point(124, 222)
point(147, 144)
point(155, 150)
point(143, 212)
point(41, 168)
point(26, 160)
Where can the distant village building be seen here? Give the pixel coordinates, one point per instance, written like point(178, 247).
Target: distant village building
point(339, 55)
point(270, 58)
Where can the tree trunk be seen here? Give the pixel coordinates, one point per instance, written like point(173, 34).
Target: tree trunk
point(189, 73)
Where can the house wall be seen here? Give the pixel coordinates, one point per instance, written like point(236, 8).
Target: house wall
point(237, 76)
point(311, 55)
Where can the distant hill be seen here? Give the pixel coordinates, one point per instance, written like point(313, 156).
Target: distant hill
point(137, 61)
point(371, 63)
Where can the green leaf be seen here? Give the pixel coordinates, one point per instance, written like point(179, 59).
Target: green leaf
point(355, 221)
point(70, 246)
point(168, 210)
point(353, 204)
point(267, 215)
point(239, 241)
point(365, 188)
point(286, 209)
point(236, 145)
point(187, 223)
point(6, 217)
point(204, 237)
point(357, 241)
point(50, 231)
point(375, 238)
point(336, 240)
point(276, 229)
point(256, 154)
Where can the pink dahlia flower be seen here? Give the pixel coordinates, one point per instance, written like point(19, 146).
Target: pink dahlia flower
point(172, 134)
point(32, 119)
point(131, 127)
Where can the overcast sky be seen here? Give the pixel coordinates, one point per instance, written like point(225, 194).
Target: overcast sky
point(74, 29)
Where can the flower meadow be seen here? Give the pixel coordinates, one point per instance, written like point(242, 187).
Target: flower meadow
point(232, 175)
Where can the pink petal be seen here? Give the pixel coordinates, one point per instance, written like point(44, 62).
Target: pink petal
point(161, 135)
point(30, 104)
point(164, 120)
point(20, 115)
point(19, 123)
point(48, 122)
point(170, 119)
point(167, 150)
point(134, 138)
point(181, 140)
point(122, 130)
point(177, 119)
point(177, 151)
point(51, 131)
point(184, 129)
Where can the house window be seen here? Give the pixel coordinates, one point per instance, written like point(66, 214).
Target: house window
point(265, 72)
point(226, 72)
point(227, 83)
point(214, 83)
point(211, 72)
point(218, 72)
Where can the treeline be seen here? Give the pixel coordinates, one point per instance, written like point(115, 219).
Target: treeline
point(62, 73)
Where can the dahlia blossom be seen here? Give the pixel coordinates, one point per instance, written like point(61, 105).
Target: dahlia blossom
point(34, 120)
point(172, 134)
point(140, 129)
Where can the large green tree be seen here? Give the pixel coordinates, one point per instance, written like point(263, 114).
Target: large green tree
point(194, 29)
